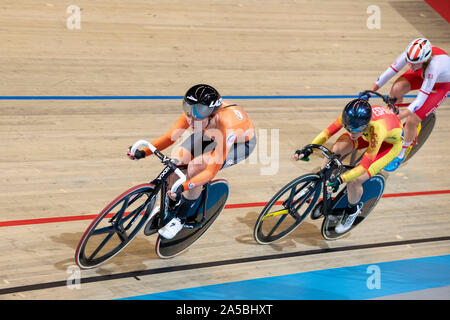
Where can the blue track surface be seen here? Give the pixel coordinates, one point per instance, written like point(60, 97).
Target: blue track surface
point(348, 283)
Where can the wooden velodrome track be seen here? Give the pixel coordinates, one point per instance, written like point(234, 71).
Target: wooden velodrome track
point(66, 158)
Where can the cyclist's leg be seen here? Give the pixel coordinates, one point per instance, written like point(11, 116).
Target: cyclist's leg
point(343, 146)
point(354, 207)
point(410, 131)
point(385, 155)
point(410, 80)
point(400, 87)
point(189, 201)
point(197, 165)
point(239, 152)
point(355, 189)
point(436, 97)
point(190, 153)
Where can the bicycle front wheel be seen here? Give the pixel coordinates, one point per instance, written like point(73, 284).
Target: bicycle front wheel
point(287, 209)
point(115, 226)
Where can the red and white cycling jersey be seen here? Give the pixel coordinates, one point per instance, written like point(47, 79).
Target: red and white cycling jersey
point(438, 71)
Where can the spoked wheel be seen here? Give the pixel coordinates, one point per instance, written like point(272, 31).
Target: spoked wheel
point(287, 209)
point(426, 127)
point(373, 191)
point(115, 227)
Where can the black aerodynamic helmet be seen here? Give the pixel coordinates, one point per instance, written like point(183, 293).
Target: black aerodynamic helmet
point(201, 101)
point(356, 115)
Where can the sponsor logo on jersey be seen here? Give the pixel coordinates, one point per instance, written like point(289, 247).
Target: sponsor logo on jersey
point(238, 114)
point(373, 137)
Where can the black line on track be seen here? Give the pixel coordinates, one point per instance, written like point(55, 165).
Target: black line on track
point(135, 274)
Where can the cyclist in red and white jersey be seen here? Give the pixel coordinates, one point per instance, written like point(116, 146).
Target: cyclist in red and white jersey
point(429, 71)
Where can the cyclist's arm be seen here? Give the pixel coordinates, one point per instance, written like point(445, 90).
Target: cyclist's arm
point(393, 69)
point(217, 157)
point(376, 138)
point(328, 132)
point(206, 175)
point(170, 136)
point(428, 83)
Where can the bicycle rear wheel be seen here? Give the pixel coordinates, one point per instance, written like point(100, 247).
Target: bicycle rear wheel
point(373, 191)
point(213, 202)
point(287, 209)
point(116, 225)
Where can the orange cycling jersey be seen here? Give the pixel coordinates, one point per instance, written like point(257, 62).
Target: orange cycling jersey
point(384, 128)
point(233, 126)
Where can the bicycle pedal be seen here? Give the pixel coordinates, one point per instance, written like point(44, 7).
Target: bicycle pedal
point(333, 218)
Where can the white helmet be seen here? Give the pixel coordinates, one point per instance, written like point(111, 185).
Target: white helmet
point(418, 51)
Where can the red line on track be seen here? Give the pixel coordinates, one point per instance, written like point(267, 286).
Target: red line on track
point(228, 206)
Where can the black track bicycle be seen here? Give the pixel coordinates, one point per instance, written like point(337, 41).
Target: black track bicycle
point(122, 219)
point(290, 206)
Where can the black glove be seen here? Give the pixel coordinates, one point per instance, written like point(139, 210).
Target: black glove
point(306, 151)
point(179, 192)
point(139, 154)
point(334, 183)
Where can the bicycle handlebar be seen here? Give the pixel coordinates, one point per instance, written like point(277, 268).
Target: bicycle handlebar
point(327, 153)
point(165, 160)
point(388, 100)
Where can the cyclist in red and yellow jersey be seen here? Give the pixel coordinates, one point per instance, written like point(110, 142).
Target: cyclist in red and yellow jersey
point(373, 127)
point(223, 135)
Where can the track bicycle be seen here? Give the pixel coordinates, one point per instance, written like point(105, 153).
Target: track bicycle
point(423, 130)
point(293, 203)
point(122, 219)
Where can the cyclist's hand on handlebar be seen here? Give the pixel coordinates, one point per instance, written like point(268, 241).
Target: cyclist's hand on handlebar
point(303, 154)
point(139, 154)
point(365, 96)
point(175, 196)
point(334, 183)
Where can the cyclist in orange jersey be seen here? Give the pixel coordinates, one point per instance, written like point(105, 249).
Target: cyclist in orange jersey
point(223, 135)
point(373, 127)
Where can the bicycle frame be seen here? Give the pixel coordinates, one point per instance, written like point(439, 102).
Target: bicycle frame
point(160, 184)
point(326, 173)
point(160, 181)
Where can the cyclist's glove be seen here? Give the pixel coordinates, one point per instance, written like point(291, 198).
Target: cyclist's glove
point(334, 183)
point(306, 151)
point(179, 192)
point(139, 154)
point(365, 96)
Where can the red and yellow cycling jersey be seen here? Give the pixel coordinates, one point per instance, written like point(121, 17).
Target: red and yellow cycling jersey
point(382, 137)
point(233, 125)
